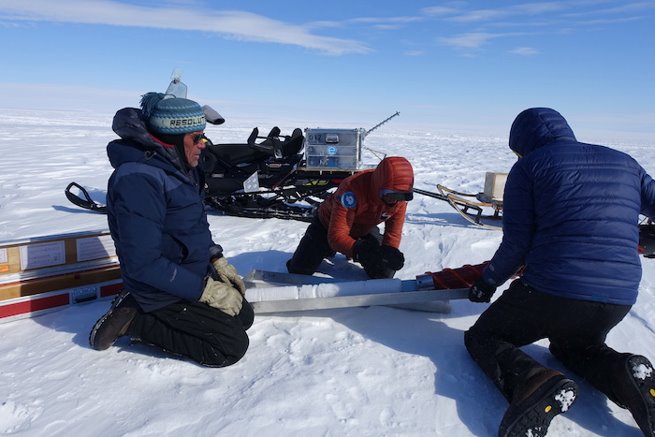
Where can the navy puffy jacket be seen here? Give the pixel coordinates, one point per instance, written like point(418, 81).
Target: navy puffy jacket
point(570, 214)
point(156, 217)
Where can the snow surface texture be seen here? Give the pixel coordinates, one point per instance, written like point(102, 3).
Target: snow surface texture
point(375, 371)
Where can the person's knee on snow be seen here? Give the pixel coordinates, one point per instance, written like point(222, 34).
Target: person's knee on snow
point(311, 250)
point(166, 263)
point(568, 290)
point(362, 202)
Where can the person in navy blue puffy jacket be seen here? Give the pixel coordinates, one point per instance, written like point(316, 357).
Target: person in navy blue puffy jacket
point(180, 293)
point(570, 226)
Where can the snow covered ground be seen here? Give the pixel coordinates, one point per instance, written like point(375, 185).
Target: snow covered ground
point(374, 371)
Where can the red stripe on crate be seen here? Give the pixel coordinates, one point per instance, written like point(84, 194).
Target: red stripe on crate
point(32, 305)
point(110, 290)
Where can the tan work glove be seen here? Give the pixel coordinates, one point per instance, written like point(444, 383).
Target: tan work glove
point(228, 274)
point(222, 296)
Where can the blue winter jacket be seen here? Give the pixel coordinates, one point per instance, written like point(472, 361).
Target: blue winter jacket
point(156, 217)
point(570, 214)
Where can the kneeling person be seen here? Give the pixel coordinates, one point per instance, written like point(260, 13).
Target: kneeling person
point(181, 294)
point(347, 221)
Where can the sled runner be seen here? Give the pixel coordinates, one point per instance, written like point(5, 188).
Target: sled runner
point(483, 209)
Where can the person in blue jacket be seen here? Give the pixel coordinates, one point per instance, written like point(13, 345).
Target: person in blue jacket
point(180, 293)
point(570, 216)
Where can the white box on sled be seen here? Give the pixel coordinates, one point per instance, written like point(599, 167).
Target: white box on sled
point(494, 185)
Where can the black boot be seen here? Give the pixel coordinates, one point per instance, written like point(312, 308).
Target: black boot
point(115, 323)
point(536, 402)
point(635, 390)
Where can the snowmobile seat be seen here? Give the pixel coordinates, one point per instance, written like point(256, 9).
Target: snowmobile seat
point(293, 144)
point(274, 133)
point(276, 147)
point(269, 145)
point(252, 139)
point(234, 154)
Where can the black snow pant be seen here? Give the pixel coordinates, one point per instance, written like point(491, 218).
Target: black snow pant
point(311, 250)
point(314, 248)
point(197, 331)
point(576, 329)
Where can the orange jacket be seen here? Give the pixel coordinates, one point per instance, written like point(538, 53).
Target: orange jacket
point(356, 206)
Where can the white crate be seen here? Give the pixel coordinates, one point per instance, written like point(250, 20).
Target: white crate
point(494, 185)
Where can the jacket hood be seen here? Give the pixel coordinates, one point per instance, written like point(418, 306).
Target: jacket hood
point(393, 173)
point(536, 127)
point(137, 144)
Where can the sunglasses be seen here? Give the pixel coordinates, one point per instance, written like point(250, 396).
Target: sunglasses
point(197, 138)
point(395, 196)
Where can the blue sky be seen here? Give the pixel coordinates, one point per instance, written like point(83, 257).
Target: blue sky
point(442, 64)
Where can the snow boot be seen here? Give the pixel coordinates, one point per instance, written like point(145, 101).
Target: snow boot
point(536, 402)
point(636, 392)
point(115, 323)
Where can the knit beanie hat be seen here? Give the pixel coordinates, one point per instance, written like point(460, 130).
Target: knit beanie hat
point(170, 115)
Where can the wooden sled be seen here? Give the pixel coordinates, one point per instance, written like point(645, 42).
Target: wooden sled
point(482, 209)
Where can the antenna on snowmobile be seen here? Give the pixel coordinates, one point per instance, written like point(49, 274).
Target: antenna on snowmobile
point(377, 153)
point(365, 133)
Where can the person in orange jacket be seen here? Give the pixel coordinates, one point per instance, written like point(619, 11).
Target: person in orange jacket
point(347, 221)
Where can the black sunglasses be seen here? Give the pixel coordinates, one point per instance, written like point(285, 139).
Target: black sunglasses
point(394, 196)
point(197, 138)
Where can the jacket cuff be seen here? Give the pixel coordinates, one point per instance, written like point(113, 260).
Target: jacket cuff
point(215, 252)
point(488, 278)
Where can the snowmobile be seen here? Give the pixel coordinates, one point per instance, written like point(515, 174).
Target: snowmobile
point(281, 176)
point(268, 178)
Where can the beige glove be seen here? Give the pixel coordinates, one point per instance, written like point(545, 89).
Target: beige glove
point(222, 296)
point(228, 274)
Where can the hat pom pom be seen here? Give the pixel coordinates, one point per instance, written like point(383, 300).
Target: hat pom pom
point(149, 102)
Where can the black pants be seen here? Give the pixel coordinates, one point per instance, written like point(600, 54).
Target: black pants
point(576, 329)
point(314, 248)
point(311, 250)
point(196, 331)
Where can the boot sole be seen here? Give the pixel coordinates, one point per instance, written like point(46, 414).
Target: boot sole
point(555, 397)
point(646, 388)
